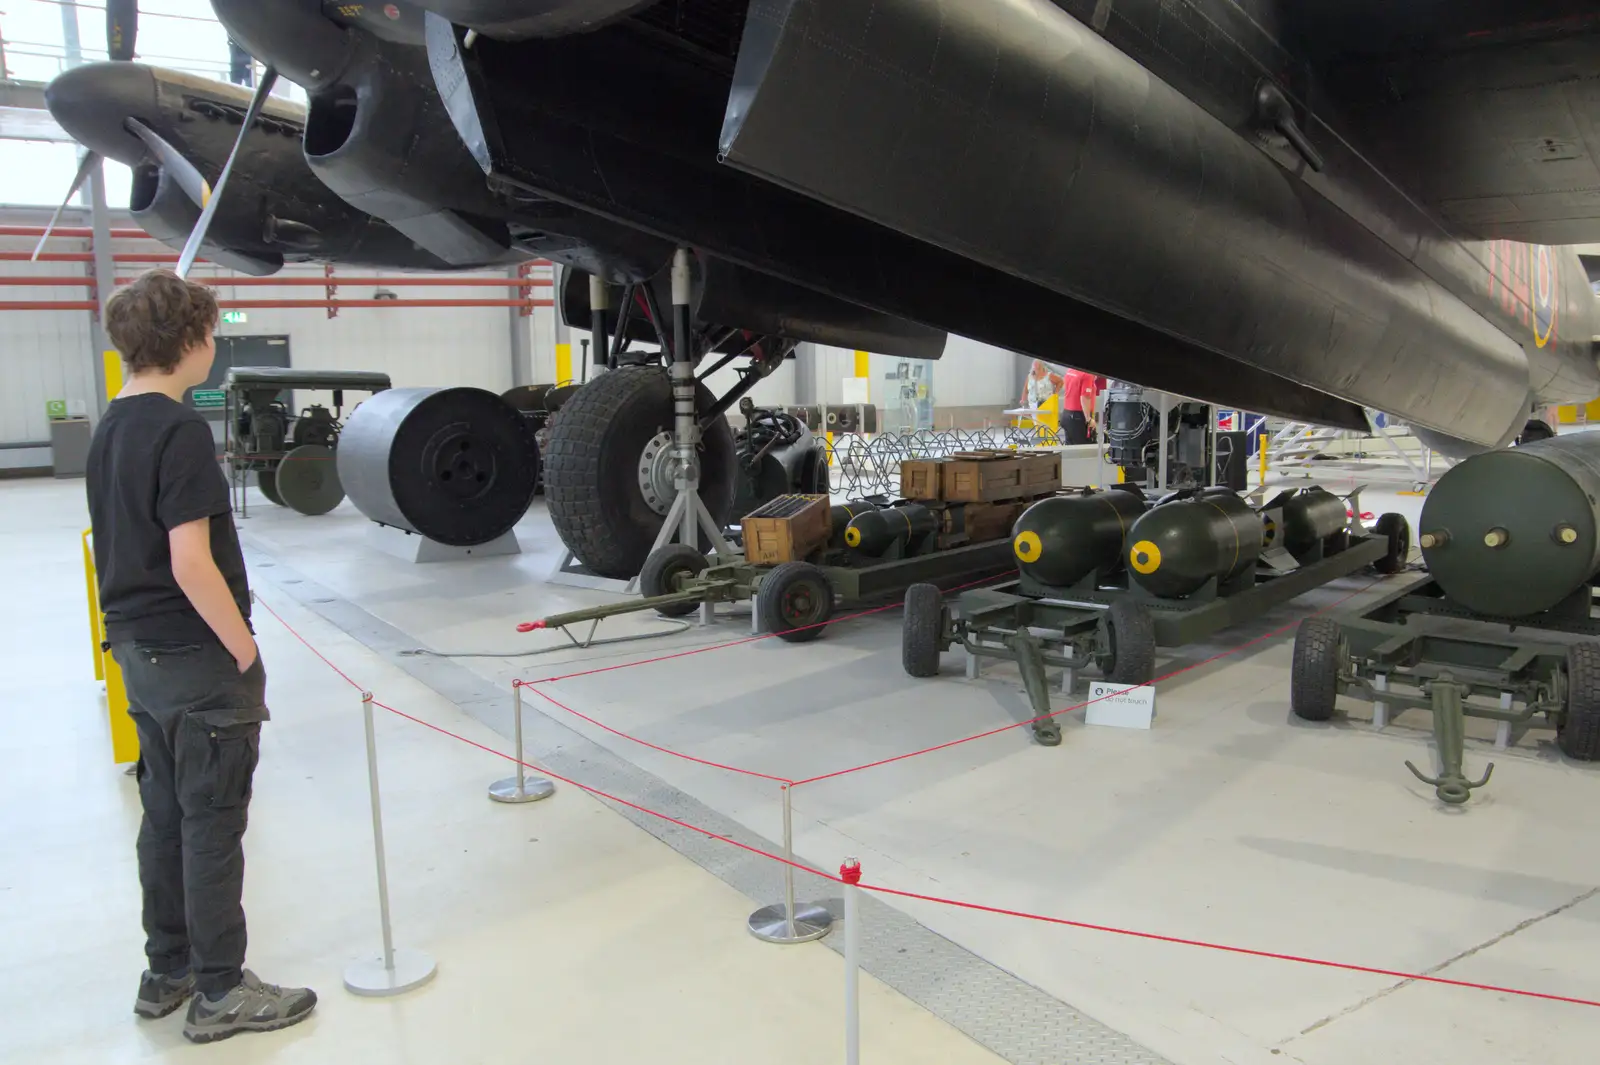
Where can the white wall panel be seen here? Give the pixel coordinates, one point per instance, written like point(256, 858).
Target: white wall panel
point(43, 354)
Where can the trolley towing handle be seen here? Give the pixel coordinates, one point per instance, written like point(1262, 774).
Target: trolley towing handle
point(596, 614)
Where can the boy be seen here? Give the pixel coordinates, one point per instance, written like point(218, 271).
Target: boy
point(177, 604)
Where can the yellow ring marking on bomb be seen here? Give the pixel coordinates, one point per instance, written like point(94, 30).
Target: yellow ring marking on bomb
point(1145, 557)
point(852, 536)
point(1028, 546)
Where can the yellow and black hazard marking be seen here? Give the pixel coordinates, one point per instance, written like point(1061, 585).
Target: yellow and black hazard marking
point(1028, 546)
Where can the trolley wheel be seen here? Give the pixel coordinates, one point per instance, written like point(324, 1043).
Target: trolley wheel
point(921, 631)
point(662, 572)
point(1314, 679)
point(1398, 530)
point(1578, 733)
point(794, 600)
point(308, 480)
point(1536, 429)
point(267, 481)
point(1132, 632)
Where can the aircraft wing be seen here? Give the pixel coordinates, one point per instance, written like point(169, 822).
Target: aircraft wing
point(1486, 111)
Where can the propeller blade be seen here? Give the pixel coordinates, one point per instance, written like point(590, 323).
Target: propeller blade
point(191, 249)
point(189, 179)
point(122, 27)
point(90, 159)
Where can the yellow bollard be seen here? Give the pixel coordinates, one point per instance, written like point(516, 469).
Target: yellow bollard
point(124, 736)
point(1262, 442)
point(564, 365)
point(97, 632)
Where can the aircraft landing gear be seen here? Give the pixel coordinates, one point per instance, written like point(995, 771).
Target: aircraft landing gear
point(642, 457)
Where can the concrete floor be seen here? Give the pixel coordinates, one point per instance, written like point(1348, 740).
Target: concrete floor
point(1229, 822)
point(563, 932)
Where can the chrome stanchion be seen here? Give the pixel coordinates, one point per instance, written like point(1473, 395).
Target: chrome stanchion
point(785, 922)
point(520, 788)
point(396, 970)
point(850, 873)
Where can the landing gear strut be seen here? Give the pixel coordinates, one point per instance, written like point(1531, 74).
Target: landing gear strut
point(688, 512)
point(642, 458)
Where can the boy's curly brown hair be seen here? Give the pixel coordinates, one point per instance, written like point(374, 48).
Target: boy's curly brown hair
point(157, 318)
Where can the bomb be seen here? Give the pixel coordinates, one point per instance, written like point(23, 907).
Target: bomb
point(840, 515)
point(1175, 548)
point(1310, 518)
point(1060, 540)
point(1512, 533)
point(876, 531)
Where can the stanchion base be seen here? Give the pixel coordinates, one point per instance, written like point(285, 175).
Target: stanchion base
point(811, 921)
point(533, 789)
point(412, 968)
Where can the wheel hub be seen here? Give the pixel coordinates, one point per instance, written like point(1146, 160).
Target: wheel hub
point(460, 464)
point(658, 473)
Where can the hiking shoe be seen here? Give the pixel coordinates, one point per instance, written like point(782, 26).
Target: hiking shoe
point(251, 1007)
point(160, 994)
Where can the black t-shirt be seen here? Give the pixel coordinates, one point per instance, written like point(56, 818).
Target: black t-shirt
point(153, 467)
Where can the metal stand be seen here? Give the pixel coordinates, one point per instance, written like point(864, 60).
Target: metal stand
point(397, 970)
point(414, 547)
point(1449, 735)
point(688, 516)
point(784, 922)
point(520, 788)
point(1380, 709)
point(850, 873)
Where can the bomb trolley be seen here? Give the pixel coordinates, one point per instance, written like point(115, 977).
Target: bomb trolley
point(1417, 649)
point(1110, 622)
point(794, 600)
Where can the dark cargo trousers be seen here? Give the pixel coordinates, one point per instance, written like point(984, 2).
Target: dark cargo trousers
point(199, 723)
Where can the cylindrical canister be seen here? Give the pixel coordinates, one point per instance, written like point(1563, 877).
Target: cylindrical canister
point(1177, 547)
point(457, 465)
point(1060, 540)
point(874, 532)
point(1513, 532)
point(1310, 518)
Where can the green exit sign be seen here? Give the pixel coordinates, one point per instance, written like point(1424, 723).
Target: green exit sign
point(234, 318)
point(55, 408)
point(208, 398)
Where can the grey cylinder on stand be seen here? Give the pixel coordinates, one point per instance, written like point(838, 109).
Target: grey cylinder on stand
point(457, 465)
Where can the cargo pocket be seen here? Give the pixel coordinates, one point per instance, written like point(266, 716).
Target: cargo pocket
point(219, 756)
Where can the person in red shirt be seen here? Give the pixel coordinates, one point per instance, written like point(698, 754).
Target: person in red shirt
point(1080, 392)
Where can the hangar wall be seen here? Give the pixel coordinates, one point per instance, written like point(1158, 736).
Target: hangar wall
point(49, 354)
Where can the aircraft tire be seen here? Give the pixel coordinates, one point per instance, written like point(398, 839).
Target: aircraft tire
point(591, 472)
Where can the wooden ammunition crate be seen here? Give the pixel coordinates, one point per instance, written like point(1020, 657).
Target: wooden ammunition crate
point(787, 529)
point(922, 479)
point(992, 476)
point(976, 523)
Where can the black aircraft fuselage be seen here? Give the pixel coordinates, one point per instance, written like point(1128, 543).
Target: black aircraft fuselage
point(1303, 208)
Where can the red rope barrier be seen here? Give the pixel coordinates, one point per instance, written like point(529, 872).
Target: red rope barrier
point(325, 659)
point(646, 743)
point(958, 903)
point(1227, 949)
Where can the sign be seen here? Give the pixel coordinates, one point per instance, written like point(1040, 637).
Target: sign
point(1120, 705)
point(208, 399)
point(855, 391)
point(55, 408)
point(235, 318)
point(1227, 421)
